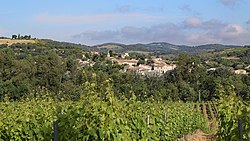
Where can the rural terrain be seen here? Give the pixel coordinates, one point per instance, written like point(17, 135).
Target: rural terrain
point(156, 91)
point(10, 41)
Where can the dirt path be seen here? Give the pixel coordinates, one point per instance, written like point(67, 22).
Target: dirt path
point(199, 136)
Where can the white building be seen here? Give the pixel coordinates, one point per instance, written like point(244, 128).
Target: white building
point(124, 55)
point(240, 72)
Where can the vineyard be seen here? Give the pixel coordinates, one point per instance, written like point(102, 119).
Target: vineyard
point(106, 118)
point(209, 111)
point(98, 121)
point(96, 118)
point(227, 120)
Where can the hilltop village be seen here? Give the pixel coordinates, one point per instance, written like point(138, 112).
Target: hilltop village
point(153, 66)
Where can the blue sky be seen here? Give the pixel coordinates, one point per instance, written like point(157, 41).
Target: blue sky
point(93, 22)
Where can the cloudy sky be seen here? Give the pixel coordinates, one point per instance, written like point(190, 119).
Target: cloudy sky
point(90, 22)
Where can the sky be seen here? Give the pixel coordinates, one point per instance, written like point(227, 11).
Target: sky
point(93, 22)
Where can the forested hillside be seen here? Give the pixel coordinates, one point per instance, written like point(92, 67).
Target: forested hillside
point(54, 66)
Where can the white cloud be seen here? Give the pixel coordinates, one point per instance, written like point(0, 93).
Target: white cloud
point(162, 32)
point(212, 24)
point(234, 34)
point(202, 38)
point(233, 30)
point(222, 33)
point(96, 18)
point(192, 22)
point(199, 32)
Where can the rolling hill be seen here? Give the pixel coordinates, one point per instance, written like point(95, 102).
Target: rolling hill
point(160, 48)
point(155, 48)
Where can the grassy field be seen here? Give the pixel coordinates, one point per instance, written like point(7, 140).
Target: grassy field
point(234, 50)
point(10, 41)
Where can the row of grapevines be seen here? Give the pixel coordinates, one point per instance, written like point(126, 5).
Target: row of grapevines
point(98, 118)
point(30, 120)
point(231, 111)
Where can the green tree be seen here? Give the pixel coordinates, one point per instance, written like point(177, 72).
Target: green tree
point(186, 93)
point(50, 71)
point(141, 62)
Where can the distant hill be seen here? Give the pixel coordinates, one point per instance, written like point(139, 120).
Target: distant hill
point(155, 48)
point(65, 44)
point(160, 48)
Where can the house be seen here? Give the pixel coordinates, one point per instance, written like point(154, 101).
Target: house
point(163, 68)
point(157, 69)
point(83, 56)
point(240, 71)
point(124, 55)
point(95, 53)
point(132, 62)
point(145, 67)
point(160, 68)
point(211, 69)
point(141, 69)
point(85, 63)
point(158, 61)
point(248, 67)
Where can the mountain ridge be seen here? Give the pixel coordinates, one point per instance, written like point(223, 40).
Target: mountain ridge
point(155, 48)
point(160, 48)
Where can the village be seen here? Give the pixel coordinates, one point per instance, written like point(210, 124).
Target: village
point(153, 66)
point(150, 67)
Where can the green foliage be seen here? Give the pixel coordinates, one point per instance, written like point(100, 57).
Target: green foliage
point(55, 66)
point(27, 120)
point(22, 72)
point(141, 62)
point(231, 109)
point(98, 118)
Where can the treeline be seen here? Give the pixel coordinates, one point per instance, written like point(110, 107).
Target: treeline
point(29, 69)
point(238, 58)
point(20, 37)
point(190, 81)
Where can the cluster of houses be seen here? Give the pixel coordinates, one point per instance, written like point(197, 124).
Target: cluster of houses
point(237, 71)
point(157, 68)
